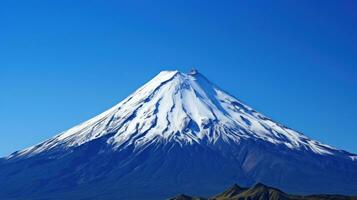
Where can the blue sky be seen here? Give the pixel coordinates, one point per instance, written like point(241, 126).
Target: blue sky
point(62, 62)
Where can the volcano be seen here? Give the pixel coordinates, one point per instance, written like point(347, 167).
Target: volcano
point(179, 133)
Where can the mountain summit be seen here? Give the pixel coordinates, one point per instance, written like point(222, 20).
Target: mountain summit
point(180, 108)
point(177, 133)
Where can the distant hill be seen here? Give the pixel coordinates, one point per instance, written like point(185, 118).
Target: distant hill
point(262, 192)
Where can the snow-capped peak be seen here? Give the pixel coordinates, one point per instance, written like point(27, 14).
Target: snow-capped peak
point(181, 108)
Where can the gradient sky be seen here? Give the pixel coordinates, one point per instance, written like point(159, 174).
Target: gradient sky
point(62, 62)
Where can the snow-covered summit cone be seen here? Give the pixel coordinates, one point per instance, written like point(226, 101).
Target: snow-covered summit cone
point(179, 133)
point(182, 108)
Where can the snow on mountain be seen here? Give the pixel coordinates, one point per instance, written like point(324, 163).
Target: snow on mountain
point(184, 108)
point(179, 133)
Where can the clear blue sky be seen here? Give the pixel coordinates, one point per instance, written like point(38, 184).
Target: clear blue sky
point(62, 62)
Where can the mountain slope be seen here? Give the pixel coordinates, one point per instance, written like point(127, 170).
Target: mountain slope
point(185, 108)
point(177, 133)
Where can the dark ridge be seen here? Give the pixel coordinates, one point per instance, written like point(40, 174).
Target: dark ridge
point(186, 197)
point(232, 191)
point(260, 191)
